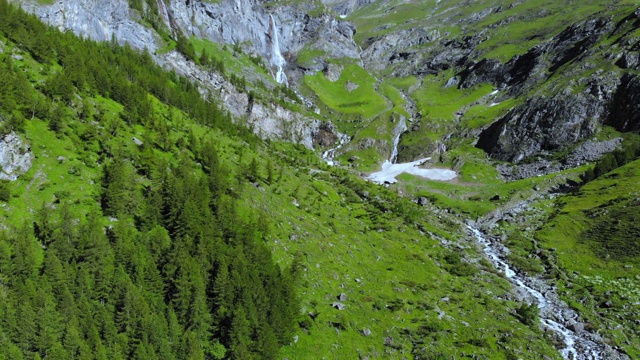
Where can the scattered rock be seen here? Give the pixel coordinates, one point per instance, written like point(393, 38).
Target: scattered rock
point(333, 71)
point(15, 158)
point(366, 332)
point(342, 297)
point(137, 141)
point(61, 159)
point(577, 327)
point(606, 304)
point(338, 305)
point(350, 86)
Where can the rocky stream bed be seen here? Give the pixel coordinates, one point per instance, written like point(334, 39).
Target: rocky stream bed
point(576, 342)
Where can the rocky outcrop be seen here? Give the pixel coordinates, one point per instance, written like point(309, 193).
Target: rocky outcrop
point(15, 158)
point(587, 152)
point(624, 113)
point(246, 23)
point(271, 121)
point(579, 99)
point(240, 22)
point(275, 122)
point(541, 124)
point(97, 20)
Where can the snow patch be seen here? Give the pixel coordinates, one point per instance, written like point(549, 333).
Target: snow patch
point(389, 172)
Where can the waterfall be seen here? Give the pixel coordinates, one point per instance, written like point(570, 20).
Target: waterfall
point(162, 9)
point(329, 154)
point(398, 131)
point(394, 151)
point(277, 59)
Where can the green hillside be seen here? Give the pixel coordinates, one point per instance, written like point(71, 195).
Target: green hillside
point(595, 236)
point(150, 226)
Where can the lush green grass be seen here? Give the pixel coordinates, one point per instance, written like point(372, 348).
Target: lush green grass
point(484, 114)
point(404, 84)
point(439, 104)
point(393, 277)
point(590, 234)
point(581, 212)
point(364, 101)
point(396, 98)
point(306, 56)
point(236, 62)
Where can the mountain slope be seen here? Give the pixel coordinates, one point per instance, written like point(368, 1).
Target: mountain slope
point(141, 231)
point(170, 167)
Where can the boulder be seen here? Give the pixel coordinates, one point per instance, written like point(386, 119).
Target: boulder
point(338, 305)
point(577, 327)
point(15, 158)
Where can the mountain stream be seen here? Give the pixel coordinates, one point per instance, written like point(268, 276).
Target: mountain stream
point(555, 314)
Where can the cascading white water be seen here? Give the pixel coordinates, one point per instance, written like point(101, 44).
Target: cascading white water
point(162, 9)
point(329, 154)
point(277, 59)
point(394, 151)
point(588, 349)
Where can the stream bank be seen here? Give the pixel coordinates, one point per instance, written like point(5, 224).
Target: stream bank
point(578, 342)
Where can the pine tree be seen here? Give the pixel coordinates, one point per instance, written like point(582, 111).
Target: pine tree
point(240, 336)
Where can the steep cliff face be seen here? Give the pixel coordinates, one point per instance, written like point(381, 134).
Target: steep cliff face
point(242, 22)
point(245, 23)
point(270, 121)
point(98, 20)
point(574, 86)
point(568, 77)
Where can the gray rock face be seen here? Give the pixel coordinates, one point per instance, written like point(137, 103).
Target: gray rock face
point(273, 121)
point(247, 23)
point(624, 112)
point(345, 7)
point(541, 125)
point(15, 158)
point(268, 120)
point(574, 109)
point(243, 22)
point(98, 20)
